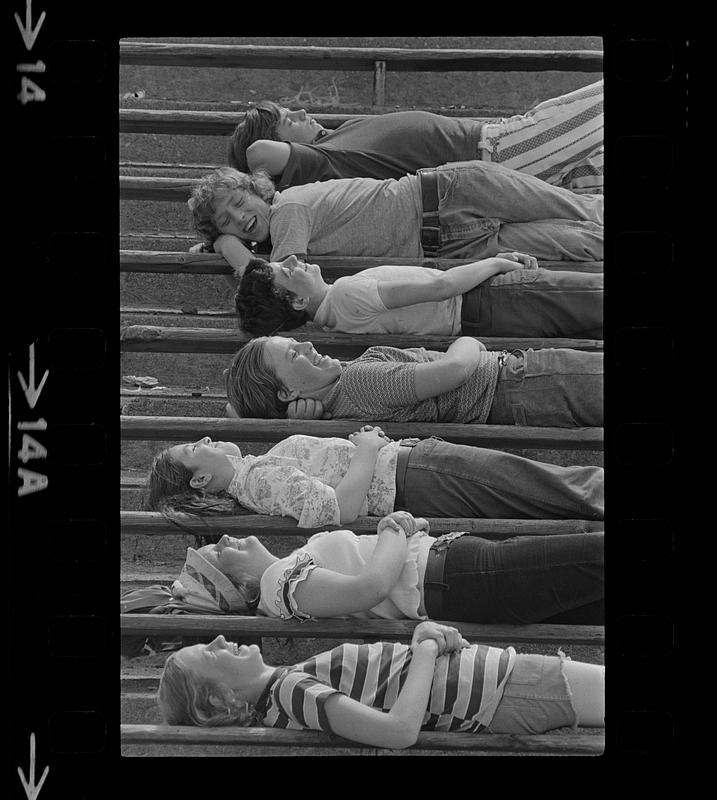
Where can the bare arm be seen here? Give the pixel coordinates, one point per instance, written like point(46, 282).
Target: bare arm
point(353, 487)
point(450, 283)
point(326, 593)
point(235, 252)
point(451, 371)
point(269, 155)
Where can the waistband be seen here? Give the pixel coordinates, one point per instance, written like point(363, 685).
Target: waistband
point(401, 466)
point(433, 585)
point(503, 355)
point(430, 224)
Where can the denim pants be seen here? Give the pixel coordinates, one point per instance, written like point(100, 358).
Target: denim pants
point(455, 480)
point(535, 302)
point(485, 209)
point(527, 579)
point(555, 387)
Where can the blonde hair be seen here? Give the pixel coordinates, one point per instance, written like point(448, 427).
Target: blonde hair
point(186, 698)
point(217, 185)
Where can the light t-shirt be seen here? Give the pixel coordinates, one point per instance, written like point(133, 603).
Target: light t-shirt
point(297, 478)
point(352, 304)
point(344, 552)
point(348, 217)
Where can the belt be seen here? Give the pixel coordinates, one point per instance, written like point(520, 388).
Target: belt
point(434, 587)
point(401, 466)
point(430, 225)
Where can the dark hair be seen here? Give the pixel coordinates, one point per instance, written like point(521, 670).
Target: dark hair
point(259, 123)
point(252, 387)
point(262, 307)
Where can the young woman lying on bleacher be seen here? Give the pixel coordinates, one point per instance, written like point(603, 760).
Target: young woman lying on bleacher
point(401, 572)
point(383, 694)
point(331, 481)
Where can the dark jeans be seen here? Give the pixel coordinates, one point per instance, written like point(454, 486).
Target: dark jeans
point(455, 480)
point(524, 580)
point(536, 302)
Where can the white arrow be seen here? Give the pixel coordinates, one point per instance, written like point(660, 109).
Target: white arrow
point(31, 790)
point(32, 392)
point(28, 34)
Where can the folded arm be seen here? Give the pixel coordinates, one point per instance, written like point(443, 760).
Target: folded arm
point(269, 155)
point(450, 371)
point(236, 253)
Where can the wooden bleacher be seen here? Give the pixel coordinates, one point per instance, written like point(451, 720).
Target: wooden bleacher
point(174, 337)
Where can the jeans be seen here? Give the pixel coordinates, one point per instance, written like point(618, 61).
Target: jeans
point(535, 302)
point(555, 387)
point(456, 480)
point(485, 209)
point(524, 580)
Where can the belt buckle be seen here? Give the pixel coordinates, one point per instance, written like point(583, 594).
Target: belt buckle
point(445, 539)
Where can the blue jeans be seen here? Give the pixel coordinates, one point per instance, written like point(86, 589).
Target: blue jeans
point(555, 387)
point(455, 480)
point(535, 302)
point(485, 209)
point(556, 578)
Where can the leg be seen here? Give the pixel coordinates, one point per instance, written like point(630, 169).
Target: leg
point(528, 302)
point(523, 580)
point(587, 687)
point(476, 189)
point(555, 387)
point(552, 139)
point(452, 480)
point(586, 176)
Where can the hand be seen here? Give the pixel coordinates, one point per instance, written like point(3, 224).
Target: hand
point(366, 428)
point(449, 639)
point(306, 408)
point(519, 260)
point(230, 412)
point(372, 438)
point(403, 521)
point(197, 248)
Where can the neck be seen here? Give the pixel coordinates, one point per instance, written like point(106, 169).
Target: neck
point(252, 693)
point(321, 392)
point(317, 299)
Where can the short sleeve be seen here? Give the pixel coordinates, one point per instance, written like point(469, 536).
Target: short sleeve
point(359, 296)
point(285, 491)
point(279, 584)
point(290, 229)
point(300, 699)
point(390, 384)
point(306, 164)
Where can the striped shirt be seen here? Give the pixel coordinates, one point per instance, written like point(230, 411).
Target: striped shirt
point(466, 688)
point(380, 385)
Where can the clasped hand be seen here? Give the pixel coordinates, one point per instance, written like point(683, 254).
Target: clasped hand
point(447, 638)
point(515, 260)
point(402, 521)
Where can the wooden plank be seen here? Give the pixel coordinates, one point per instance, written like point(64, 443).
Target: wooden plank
point(205, 625)
point(356, 58)
point(222, 123)
point(155, 428)
point(379, 83)
point(572, 743)
point(175, 339)
point(332, 267)
point(164, 190)
point(148, 523)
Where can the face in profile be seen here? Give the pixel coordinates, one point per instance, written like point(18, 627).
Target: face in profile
point(299, 367)
point(299, 277)
point(242, 214)
point(223, 662)
point(297, 126)
point(206, 458)
point(237, 557)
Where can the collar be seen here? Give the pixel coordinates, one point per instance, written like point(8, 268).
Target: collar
point(321, 314)
point(262, 703)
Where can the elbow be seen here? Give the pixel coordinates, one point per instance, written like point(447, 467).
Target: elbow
point(401, 737)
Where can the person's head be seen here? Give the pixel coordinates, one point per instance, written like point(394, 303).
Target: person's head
point(231, 202)
point(278, 295)
point(271, 121)
point(192, 477)
point(210, 684)
point(271, 371)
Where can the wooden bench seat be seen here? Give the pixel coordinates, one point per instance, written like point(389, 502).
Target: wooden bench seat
point(542, 744)
point(177, 429)
point(175, 339)
point(149, 523)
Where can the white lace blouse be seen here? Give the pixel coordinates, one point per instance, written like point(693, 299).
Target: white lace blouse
point(297, 478)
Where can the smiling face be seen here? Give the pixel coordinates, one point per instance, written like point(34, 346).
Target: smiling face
point(243, 214)
point(207, 458)
point(238, 557)
point(298, 366)
point(224, 663)
point(297, 126)
point(304, 280)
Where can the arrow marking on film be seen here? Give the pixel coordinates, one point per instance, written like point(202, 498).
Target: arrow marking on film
point(26, 31)
point(32, 392)
point(31, 790)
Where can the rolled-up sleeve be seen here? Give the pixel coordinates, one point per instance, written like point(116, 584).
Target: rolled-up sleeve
point(287, 491)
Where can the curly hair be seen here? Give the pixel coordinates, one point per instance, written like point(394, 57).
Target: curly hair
point(252, 386)
point(262, 307)
point(259, 123)
point(216, 186)
point(185, 698)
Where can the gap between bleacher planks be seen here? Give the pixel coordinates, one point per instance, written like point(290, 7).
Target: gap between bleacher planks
point(374, 629)
point(155, 428)
point(567, 744)
point(359, 59)
point(175, 339)
point(332, 267)
point(148, 523)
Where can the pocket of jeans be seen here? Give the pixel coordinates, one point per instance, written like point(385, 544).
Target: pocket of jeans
point(527, 671)
point(515, 277)
point(519, 415)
